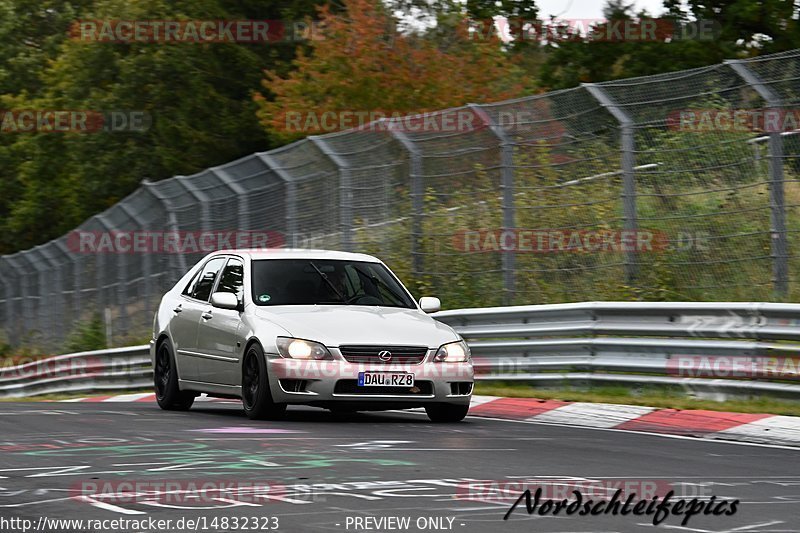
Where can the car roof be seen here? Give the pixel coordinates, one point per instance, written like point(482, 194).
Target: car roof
point(299, 253)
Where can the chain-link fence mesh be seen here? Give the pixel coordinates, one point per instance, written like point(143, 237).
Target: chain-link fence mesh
point(601, 192)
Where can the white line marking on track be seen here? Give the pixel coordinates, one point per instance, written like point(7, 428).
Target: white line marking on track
point(107, 506)
point(734, 530)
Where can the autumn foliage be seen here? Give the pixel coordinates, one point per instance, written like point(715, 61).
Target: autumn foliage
point(361, 63)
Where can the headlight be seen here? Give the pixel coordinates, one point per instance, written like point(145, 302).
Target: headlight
point(454, 352)
point(302, 349)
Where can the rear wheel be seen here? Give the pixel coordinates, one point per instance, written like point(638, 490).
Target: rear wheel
point(445, 412)
point(256, 394)
point(165, 378)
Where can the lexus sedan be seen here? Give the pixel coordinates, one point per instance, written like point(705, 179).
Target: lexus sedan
point(322, 328)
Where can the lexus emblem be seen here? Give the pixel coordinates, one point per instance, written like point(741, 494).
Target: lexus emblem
point(385, 355)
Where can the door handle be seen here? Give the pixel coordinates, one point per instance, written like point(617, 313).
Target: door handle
point(207, 315)
point(177, 309)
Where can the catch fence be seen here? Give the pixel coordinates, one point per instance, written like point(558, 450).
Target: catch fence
point(605, 191)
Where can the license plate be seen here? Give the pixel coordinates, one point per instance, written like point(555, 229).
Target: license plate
point(385, 379)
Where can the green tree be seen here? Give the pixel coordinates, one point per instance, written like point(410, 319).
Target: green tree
point(198, 96)
point(741, 28)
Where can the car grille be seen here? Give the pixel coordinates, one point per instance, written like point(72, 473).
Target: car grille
point(350, 386)
point(407, 355)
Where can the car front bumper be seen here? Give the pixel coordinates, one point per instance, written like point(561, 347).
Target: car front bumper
point(333, 382)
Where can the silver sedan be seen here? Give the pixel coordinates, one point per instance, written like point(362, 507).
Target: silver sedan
point(322, 328)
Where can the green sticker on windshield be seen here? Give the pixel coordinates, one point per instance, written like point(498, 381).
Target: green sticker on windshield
point(264, 298)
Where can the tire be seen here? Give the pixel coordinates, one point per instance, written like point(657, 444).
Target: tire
point(446, 412)
point(256, 394)
point(165, 381)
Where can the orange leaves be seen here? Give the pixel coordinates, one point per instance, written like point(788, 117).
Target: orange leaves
point(361, 63)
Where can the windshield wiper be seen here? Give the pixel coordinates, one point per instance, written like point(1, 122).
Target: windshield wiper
point(324, 277)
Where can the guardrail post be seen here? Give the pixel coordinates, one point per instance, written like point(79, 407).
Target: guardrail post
point(417, 199)
point(291, 197)
point(345, 192)
point(779, 241)
point(507, 186)
point(627, 142)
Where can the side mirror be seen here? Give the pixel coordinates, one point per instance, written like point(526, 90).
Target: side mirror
point(430, 304)
point(225, 300)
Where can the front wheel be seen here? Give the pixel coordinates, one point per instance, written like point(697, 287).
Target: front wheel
point(165, 377)
point(445, 412)
point(256, 394)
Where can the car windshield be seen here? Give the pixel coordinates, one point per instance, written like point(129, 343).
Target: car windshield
point(325, 281)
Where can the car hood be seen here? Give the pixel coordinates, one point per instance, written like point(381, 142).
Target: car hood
point(335, 325)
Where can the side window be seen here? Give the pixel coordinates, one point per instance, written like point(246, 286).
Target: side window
point(202, 289)
point(232, 279)
point(190, 286)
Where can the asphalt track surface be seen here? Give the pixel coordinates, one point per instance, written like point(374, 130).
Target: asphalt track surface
point(327, 471)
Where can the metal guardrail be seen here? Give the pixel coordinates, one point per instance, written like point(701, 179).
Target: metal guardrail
point(628, 343)
point(739, 348)
point(101, 370)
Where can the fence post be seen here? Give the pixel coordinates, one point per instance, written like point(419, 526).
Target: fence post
point(291, 196)
point(345, 192)
point(507, 186)
point(171, 220)
point(146, 262)
point(628, 144)
point(23, 297)
point(76, 292)
point(55, 300)
point(77, 282)
point(121, 280)
point(8, 311)
point(200, 197)
point(417, 199)
point(238, 191)
point(779, 241)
